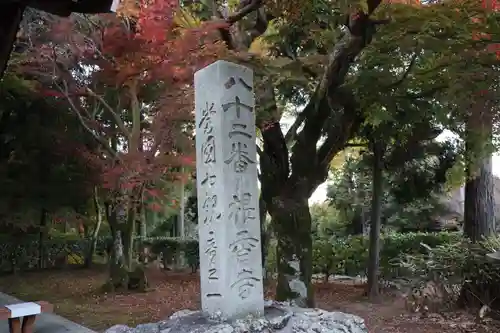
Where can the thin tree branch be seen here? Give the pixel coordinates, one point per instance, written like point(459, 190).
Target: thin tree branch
point(291, 134)
point(349, 116)
point(116, 117)
point(246, 7)
point(103, 142)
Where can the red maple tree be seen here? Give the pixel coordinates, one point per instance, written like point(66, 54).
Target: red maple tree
point(128, 78)
point(129, 81)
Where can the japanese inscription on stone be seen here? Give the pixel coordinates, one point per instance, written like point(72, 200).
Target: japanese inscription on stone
point(229, 227)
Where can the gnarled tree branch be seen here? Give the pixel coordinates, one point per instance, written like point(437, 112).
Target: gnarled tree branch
point(331, 102)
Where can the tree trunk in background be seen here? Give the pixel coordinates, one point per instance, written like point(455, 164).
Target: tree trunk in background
point(144, 226)
point(93, 240)
point(356, 227)
point(128, 229)
point(292, 224)
point(119, 257)
point(357, 223)
point(479, 210)
point(376, 210)
point(42, 254)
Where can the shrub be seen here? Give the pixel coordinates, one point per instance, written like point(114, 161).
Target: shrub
point(460, 263)
point(171, 247)
point(349, 256)
point(271, 263)
point(23, 254)
point(323, 257)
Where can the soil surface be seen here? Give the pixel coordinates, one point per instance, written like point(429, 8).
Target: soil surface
point(77, 296)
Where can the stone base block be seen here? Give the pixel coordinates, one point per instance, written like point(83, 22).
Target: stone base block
point(279, 318)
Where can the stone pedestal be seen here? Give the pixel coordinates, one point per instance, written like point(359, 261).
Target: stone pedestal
point(278, 318)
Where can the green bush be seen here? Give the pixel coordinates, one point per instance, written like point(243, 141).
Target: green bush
point(170, 247)
point(349, 256)
point(271, 263)
point(23, 254)
point(460, 263)
point(339, 256)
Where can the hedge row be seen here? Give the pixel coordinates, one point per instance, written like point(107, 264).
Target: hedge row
point(336, 256)
point(61, 250)
point(349, 256)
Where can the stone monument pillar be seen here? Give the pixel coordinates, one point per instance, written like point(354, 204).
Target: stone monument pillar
point(232, 295)
point(228, 196)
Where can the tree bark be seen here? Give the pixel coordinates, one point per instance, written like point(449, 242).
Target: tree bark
point(128, 229)
point(292, 222)
point(120, 251)
point(376, 212)
point(357, 223)
point(95, 232)
point(479, 210)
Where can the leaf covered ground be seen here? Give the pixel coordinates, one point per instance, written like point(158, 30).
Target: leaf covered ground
point(76, 295)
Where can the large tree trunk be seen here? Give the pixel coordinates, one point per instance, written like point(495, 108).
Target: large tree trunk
point(479, 210)
point(123, 275)
point(128, 228)
point(117, 268)
point(376, 211)
point(292, 222)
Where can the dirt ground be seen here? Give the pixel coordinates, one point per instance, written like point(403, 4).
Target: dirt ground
point(76, 295)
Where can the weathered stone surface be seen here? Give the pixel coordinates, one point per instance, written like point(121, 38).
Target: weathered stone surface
point(228, 195)
point(279, 318)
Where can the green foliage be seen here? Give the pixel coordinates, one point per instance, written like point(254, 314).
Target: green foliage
point(459, 263)
point(326, 221)
point(456, 261)
point(42, 161)
point(349, 255)
point(271, 259)
point(414, 178)
point(23, 254)
point(171, 247)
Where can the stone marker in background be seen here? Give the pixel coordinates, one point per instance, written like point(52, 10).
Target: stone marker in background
point(228, 195)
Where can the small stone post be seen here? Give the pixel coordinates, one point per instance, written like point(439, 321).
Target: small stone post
point(228, 196)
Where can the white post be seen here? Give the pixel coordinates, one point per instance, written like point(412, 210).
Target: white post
point(228, 195)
